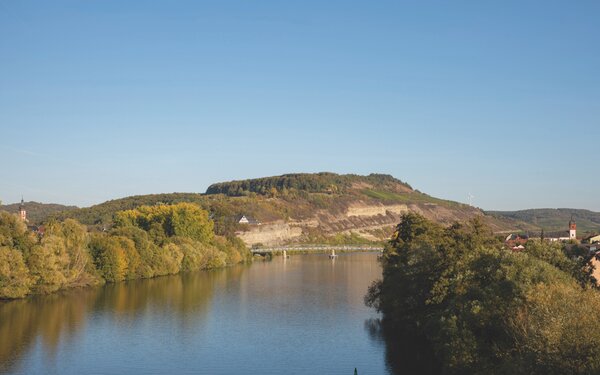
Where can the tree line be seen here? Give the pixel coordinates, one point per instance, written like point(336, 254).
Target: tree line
point(323, 182)
point(144, 242)
point(475, 307)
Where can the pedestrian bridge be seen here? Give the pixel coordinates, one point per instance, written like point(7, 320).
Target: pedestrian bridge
point(311, 248)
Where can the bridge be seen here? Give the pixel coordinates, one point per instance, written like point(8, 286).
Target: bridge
point(310, 248)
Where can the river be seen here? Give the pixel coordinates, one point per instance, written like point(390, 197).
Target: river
point(303, 315)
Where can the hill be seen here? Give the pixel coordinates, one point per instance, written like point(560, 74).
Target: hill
point(320, 207)
point(37, 212)
point(552, 219)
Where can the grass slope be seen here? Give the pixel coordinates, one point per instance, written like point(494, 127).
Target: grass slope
point(554, 219)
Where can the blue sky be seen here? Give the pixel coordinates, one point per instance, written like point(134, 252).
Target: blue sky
point(101, 99)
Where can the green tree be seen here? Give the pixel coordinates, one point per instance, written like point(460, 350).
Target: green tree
point(484, 309)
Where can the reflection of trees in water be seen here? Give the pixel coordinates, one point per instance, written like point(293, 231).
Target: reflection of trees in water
point(58, 317)
point(404, 353)
point(51, 318)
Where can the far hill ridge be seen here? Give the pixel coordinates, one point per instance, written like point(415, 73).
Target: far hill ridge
point(305, 207)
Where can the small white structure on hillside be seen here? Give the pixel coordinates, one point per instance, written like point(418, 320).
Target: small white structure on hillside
point(244, 219)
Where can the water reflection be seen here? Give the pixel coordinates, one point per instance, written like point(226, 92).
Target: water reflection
point(404, 353)
point(305, 315)
point(57, 318)
point(50, 318)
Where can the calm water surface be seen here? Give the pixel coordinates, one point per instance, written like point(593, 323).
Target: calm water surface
point(304, 315)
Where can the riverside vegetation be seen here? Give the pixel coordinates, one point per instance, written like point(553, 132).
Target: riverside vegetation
point(144, 242)
point(455, 301)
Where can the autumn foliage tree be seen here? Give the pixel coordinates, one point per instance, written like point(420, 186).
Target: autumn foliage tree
point(15, 280)
point(146, 242)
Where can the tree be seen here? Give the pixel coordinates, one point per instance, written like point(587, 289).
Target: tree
point(48, 263)
point(171, 256)
point(484, 309)
point(75, 239)
point(14, 233)
point(109, 257)
point(163, 221)
point(194, 253)
point(147, 250)
point(15, 281)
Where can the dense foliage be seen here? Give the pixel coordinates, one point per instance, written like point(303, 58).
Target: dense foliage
point(323, 182)
point(482, 309)
point(102, 214)
point(146, 242)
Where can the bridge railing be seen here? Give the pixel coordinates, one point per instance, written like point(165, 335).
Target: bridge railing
point(308, 247)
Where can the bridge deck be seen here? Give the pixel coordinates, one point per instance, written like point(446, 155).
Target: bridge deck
point(316, 248)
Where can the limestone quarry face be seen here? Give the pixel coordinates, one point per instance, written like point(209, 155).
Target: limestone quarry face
point(370, 221)
point(270, 234)
point(374, 210)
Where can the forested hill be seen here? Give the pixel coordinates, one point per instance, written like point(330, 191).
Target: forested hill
point(264, 198)
point(37, 212)
point(300, 207)
point(102, 214)
point(553, 219)
point(306, 207)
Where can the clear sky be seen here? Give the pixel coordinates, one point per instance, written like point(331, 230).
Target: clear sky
point(101, 99)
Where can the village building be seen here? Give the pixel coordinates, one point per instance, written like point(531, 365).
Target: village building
point(595, 238)
point(37, 229)
point(516, 241)
point(564, 236)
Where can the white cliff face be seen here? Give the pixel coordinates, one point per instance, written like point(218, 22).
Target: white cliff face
point(374, 210)
point(372, 221)
point(270, 234)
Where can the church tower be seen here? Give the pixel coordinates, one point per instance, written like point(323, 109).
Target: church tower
point(22, 212)
point(572, 229)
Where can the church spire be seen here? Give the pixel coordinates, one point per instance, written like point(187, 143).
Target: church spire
point(572, 229)
point(22, 211)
